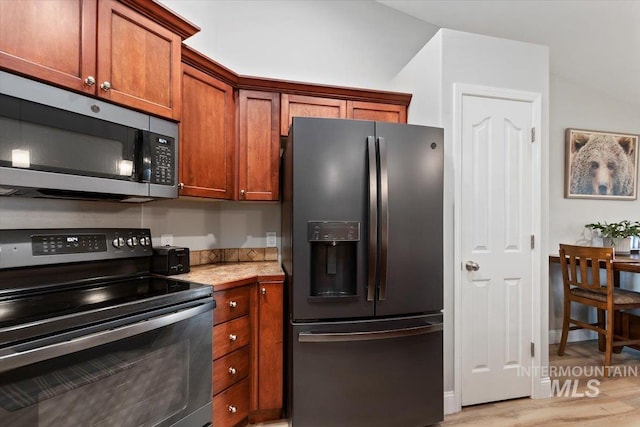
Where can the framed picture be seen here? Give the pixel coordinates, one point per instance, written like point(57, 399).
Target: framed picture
point(600, 165)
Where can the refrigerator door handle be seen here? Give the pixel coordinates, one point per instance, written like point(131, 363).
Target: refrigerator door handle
point(373, 217)
point(384, 218)
point(368, 336)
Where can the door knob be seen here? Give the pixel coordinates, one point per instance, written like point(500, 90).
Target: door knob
point(472, 266)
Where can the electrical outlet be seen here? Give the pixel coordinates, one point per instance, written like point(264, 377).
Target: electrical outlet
point(271, 239)
point(166, 239)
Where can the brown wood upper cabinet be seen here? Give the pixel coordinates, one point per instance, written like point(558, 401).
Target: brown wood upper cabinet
point(207, 137)
point(103, 48)
point(309, 106)
point(376, 111)
point(258, 145)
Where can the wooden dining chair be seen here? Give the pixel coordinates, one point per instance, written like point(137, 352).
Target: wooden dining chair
point(581, 266)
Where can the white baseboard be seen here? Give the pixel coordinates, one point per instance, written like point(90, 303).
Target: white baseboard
point(574, 336)
point(542, 389)
point(450, 403)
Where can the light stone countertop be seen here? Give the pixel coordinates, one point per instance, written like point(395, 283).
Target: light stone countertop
point(228, 275)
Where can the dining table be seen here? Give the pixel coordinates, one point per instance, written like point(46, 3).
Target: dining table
point(627, 324)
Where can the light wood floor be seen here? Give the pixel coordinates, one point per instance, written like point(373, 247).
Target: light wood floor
point(617, 403)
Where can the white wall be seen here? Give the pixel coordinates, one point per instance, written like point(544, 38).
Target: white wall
point(193, 223)
point(351, 43)
point(456, 57)
point(576, 106)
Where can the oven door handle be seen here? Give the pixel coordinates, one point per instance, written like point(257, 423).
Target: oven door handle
point(39, 354)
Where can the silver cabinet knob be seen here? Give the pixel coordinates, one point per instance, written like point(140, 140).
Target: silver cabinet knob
point(233, 304)
point(90, 81)
point(232, 370)
point(242, 193)
point(181, 186)
point(472, 266)
point(233, 409)
point(264, 291)
point(105, 86)
point(233, 337)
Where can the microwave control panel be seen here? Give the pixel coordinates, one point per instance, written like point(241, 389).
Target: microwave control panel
point(162, 159)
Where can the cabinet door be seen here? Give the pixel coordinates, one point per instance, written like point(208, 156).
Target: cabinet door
point(52, 40)
point(309, 106)
point(259, 146)
point(269, 375)
point(138, 61)
point(377, 112)
point(207, 138)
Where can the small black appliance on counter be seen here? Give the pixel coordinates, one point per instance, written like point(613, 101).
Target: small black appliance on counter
point(168, 260)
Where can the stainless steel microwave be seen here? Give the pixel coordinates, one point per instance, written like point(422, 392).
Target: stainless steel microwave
point(59, 144)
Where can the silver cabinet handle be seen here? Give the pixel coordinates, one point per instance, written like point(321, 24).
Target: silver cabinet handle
point(242, 193)
point(90, 81)
point(233, 337)
point(233, 409)
point(264, 291)
point(105, 86)
point(181, 186)
point(233, 304)
point(232, 370)
point(472, 266)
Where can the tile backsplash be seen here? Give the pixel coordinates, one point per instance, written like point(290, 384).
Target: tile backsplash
point(215, 256)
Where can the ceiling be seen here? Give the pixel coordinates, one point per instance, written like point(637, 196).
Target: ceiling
point(595, 43)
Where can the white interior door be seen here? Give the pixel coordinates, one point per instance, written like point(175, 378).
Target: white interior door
point(496, 229)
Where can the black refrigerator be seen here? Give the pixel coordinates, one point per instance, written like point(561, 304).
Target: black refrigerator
point(362, 250)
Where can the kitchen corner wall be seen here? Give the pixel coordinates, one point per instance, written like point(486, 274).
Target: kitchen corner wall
point(193, 223)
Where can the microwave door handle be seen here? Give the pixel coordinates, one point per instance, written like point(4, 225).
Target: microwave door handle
point(23, 358)
point(144, 160)
point(373, 218)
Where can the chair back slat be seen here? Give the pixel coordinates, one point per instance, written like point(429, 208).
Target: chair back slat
point(577, 261)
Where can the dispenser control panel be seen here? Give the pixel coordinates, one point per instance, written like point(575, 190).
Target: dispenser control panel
point(333, 231)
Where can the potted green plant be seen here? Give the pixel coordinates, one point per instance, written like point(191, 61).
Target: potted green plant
point(617, 234)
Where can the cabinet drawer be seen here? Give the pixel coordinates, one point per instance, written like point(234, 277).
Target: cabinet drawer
point(230, 369)
point(230, 336)
point(231, 304)
point(232, 405)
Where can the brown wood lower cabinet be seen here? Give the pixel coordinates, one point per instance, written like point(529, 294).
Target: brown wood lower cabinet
point(232, 405)
point(248, 354)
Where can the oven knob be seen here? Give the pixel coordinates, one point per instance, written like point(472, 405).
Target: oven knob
point(145, 241)
point(118, 242)
point(132, 242)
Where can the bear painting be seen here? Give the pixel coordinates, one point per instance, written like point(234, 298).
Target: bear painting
point(601, 165)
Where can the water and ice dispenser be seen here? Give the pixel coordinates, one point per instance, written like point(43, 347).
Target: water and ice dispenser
point(334, 265)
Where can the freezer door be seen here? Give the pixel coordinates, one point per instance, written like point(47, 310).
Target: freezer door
point(369, 374)
point(411, 225)
point(329, 163)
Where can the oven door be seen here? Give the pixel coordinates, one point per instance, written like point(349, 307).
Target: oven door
point(152, 372)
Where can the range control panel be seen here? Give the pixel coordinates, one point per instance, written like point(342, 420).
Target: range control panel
point(26, 247)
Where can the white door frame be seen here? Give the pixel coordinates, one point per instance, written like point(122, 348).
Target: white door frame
point(540, 384)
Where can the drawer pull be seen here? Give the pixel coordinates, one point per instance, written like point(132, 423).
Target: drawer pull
point(264, 291)
point(233, 337)
point(232, 370)
point(233, 409)
point(233, 304)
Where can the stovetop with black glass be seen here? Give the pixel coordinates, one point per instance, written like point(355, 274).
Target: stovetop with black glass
point(57, 280)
